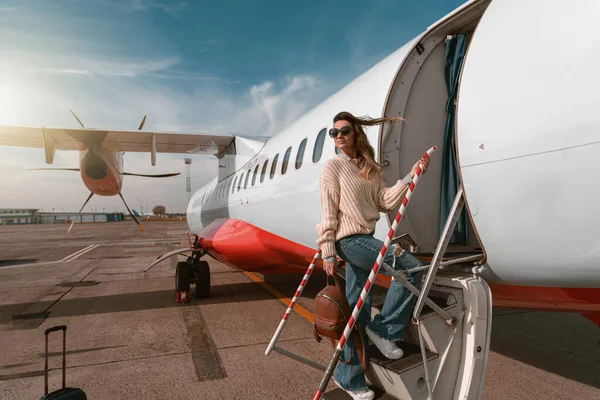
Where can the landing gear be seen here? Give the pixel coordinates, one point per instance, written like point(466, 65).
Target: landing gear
point(192, 271)
point(202, 272)
point(182, 277)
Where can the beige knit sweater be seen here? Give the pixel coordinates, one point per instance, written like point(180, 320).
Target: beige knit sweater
point(350, 204)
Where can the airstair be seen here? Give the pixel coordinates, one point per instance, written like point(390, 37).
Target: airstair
point(447, 342)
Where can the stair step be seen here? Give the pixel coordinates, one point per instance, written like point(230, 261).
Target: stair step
point(412, 357)
point(378, 299)
point(339, 394)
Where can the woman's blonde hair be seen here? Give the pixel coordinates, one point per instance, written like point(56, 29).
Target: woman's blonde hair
point(365, 154)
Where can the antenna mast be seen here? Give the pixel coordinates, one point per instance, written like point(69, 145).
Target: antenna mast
point(188, 180)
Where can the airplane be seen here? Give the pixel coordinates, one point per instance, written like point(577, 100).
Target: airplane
point(505, 213)
point(101, 152)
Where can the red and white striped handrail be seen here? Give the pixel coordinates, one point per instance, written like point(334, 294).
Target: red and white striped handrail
point(309, 271)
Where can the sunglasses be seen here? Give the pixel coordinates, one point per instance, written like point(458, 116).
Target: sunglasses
point(345, 131)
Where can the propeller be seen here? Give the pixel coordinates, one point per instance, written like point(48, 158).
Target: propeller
point(53, 169)
point(153, 176)
point(122, 173)
point(77, 118)
point(130, 213)
point(88, 199)
point(142, 123)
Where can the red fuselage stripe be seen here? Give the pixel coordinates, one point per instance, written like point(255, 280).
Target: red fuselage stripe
point(247, 247)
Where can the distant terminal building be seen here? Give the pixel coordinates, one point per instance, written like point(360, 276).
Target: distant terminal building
point(15, 216)
point(66, 217)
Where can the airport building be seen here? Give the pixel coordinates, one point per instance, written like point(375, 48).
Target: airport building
point(15, 216)
point(62, 217)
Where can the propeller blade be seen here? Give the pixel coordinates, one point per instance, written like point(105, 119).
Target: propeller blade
point(142, 124)
point(53, 169)
point(130, 213)
point(88, 199)
point(77, 119)
point(153, 176)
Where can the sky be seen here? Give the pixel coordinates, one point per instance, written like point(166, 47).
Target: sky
point(226, 67)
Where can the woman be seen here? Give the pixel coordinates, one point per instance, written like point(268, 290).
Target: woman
point(353, 194)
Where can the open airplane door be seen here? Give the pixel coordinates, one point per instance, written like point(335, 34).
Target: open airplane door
point(527, 122)
point(447, 342)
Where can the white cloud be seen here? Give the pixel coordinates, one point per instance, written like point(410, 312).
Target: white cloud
point(19, 62)
point(38, 90)
point(146, 5)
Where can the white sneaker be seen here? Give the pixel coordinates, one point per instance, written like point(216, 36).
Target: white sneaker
point(386, 347)
point(362, 394)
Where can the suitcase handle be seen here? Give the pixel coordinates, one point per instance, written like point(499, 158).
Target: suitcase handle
point(56, 328)
point(64, 363)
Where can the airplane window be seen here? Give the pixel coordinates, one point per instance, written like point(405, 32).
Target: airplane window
point(246, 181)
point(274, 166)
point(264, 170)
point(286, 159)
point(233, 186)
point(254, 176)
point(240, 181)
point(318, 151)
point(300, 155)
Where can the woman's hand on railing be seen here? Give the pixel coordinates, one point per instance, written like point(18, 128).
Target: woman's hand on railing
point(425, 161)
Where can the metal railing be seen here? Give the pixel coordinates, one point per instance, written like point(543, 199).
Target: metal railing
point(421, 294)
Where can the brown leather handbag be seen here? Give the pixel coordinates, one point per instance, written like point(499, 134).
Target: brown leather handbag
point(332, 313)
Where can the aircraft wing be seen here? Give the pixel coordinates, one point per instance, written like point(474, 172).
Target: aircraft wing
point(129, 141)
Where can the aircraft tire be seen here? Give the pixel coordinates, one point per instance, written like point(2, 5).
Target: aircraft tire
point(182, 277)
point(203, 281)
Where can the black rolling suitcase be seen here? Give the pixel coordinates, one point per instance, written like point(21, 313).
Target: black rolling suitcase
point(66, 393)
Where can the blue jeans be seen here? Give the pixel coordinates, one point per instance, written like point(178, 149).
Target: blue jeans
point(360, 252)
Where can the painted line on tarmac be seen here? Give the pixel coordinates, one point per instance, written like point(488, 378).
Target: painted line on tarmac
point(303, 312)
point(79, 253)
point(68, 258)
point(30, 265)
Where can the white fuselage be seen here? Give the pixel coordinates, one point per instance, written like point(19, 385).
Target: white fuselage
point(527, 136)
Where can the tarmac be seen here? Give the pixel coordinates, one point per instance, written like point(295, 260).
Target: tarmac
point(127, 338)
